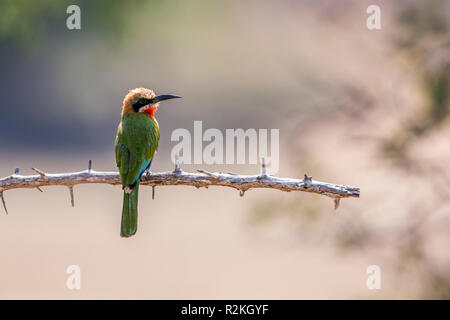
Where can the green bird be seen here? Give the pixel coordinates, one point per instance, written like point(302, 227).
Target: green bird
point(136, 143)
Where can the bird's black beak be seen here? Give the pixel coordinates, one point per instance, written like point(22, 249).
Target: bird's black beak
point(163, 97)
point(141, 103)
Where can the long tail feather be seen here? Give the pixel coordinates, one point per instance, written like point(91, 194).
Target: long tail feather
point(129, 213)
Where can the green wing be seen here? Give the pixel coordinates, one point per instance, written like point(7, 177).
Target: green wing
point(134, 157)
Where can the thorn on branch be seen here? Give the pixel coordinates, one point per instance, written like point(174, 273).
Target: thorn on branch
point(263, 167)
point(16, 171)
point(307, 179)
point(89, 166)
point(337, 202)
point(177, 165)
point(3, 201)
point(39, 189)
point(153, 192)
point(212, 175)
point(71, 196)
point(242, 192)
point(41, 173)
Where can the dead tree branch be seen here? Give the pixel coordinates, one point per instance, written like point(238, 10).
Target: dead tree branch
point(178, 177)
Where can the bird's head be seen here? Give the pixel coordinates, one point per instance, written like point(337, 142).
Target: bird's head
point(143, 100)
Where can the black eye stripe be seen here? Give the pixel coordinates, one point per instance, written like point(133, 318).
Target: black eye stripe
point(140, 103)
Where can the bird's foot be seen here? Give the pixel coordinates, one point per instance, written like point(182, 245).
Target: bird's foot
point(127, 190)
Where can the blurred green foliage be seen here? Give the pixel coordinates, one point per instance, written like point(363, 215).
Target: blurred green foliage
point(437, 87)
point(421, 19)
point(22, 19)
point(24, 22)
point(424, 37)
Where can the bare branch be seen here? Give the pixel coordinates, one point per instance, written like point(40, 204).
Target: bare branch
point(202, 179)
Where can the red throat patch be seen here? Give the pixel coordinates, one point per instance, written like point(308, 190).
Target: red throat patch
point(151, 111)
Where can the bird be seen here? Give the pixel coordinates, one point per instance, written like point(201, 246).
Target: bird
point(136, 142)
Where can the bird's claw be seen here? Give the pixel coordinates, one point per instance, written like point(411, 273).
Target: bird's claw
point(127, 190)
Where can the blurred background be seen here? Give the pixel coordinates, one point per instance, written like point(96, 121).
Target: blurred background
point(367, 108)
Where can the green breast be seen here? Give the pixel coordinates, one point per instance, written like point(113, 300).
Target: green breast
point(138, 129)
